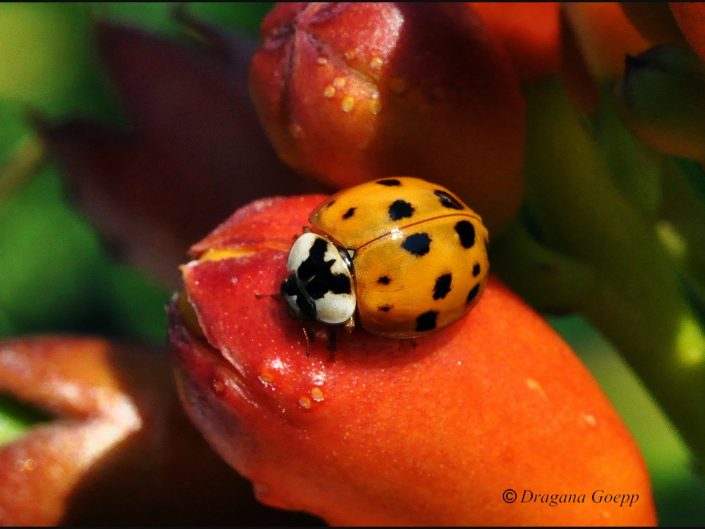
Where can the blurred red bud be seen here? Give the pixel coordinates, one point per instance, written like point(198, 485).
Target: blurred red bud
point(196, 153)
point(530, 33)
point(690, 16)
point(119, 449)
point(605, 36)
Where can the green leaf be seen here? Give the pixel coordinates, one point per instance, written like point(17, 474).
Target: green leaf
point(157, 16)
point(134, 305)
point(48, 258)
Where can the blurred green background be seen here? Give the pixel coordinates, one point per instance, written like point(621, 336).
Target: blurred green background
point(57, 276)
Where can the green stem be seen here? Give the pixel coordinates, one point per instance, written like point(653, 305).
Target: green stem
point(20, 169)
point(637, 300)
point(550, 281)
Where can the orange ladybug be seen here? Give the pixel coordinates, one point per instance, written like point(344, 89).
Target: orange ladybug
point(403, 255)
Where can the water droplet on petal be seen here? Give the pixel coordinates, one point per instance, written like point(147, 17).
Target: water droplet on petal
point(317, 394)
point(347, 104)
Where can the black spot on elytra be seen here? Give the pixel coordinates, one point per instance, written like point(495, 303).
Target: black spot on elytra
point(442, 286)
point(384, 280)
point(385, 308)
point(400, 209)
point(306, 307)
point(476, 270)
point(466, 232)
point(447, 200)
point(426, 321)
point(473, 293)
point(418, 244)
point(349, 213)
point(314, 273)
point(389, 182)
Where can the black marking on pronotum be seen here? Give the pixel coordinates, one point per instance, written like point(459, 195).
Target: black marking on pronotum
point(384, 280)
point(466, 232)
point(385, 308)
point(476, 270)
point(426, 321)
point(389, 182)
point(418, 244)
point(306, 307)
point(473, 293)
point(349, 213)
point(447, 200)
point(442, 286)
point(314, 273)
point(400, 209)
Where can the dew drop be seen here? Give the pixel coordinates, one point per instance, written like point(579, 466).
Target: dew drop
point(590, 420)
point(266, 376)
point(317, 394)
point(218, 385)
point(295, 130)
point(347, 104)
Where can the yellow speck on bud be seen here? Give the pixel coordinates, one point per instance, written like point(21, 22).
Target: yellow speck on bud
point(347, 104)
point(317, 394)
point(329, 91)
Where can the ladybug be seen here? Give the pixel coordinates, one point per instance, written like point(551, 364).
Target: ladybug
point(403, 255)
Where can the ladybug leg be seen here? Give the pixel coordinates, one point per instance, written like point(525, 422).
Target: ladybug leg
point(260, 296)
point(308, 337)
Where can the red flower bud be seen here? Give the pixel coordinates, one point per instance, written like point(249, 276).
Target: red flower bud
point(349, 92)
point(431, 431)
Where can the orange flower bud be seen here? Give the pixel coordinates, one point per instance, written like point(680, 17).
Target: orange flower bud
point(432, 431)
point(351, 92)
